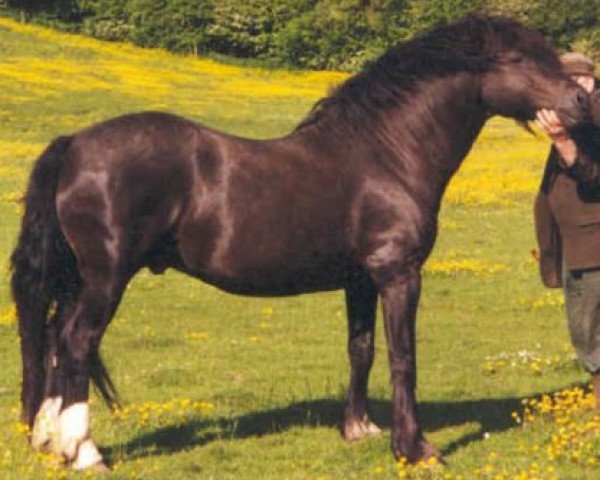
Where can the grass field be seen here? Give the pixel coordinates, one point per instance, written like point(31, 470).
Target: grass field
point(225, 387)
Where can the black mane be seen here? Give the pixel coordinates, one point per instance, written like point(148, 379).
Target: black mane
point(471, 45)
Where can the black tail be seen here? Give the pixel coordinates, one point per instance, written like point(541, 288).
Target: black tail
point(44, 275)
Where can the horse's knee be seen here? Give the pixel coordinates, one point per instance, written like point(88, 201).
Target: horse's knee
point(403, 372)
point(361, 348)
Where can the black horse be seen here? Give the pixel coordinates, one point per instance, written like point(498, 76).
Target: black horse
point(348, 200)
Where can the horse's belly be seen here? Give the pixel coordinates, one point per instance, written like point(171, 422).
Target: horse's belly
point(261, 277)
point(276, 259)
point(289, 283)
point(271, 289)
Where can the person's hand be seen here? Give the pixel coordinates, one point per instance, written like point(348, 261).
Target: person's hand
point(548, 121)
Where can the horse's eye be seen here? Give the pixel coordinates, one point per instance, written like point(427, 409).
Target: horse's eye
point(516, 59)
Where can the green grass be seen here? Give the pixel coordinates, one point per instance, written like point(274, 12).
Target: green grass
point(276, 369)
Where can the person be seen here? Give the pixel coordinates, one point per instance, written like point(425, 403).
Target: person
point(567, 219)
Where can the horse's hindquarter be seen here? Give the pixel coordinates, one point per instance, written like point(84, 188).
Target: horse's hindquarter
point(123, 186)
point(274, 220)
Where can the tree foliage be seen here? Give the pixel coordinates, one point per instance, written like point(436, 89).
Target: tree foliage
point(303, 33)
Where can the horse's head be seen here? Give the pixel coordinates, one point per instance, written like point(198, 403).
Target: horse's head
point(526, 75)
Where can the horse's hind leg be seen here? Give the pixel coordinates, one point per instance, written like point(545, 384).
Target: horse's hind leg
point(45, 425)
point(77, 343)
point(361, 304)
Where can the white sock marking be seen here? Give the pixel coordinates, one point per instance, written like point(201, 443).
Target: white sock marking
point(73, 429)
point(45, 425)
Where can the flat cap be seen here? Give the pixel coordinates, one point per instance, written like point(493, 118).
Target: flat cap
point(575, 63)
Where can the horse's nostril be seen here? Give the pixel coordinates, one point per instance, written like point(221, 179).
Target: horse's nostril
point(581, 98)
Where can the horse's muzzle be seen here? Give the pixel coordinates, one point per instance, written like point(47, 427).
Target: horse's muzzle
point(574, 108)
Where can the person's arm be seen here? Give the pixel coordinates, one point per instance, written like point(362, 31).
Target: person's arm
point(566, 147)
point(572, 158)
point(549, 244)
point(584, 169)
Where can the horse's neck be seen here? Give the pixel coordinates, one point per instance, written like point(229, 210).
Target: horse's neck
point(433, 126)
point(438, 124)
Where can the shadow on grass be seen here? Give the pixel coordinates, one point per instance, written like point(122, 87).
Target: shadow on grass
point(493, 415)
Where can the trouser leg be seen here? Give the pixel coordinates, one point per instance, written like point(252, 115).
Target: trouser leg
point(582, 305)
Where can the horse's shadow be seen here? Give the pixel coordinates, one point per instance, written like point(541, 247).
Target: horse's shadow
point(492, 415)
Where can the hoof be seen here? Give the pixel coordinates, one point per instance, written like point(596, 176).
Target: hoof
point(100, 467)
point(429, 452)
point(88, 458)
point(423, 452)
point(354, 430)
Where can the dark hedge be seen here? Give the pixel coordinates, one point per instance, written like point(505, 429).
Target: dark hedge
point(319, 34)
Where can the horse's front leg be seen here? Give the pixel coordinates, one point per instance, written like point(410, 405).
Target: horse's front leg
point(361, 303)
point(400, 298)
